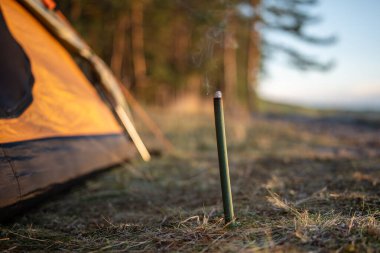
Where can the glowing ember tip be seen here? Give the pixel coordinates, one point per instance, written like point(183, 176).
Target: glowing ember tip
point(218, 94)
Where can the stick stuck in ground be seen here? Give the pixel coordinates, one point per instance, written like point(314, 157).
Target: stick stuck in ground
point(223, 158)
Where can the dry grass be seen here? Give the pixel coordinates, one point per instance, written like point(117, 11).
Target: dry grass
point(297, 186)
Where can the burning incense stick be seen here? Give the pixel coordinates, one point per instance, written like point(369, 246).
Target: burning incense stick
point(223, 158)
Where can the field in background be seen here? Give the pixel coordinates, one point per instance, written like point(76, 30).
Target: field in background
point(300, 183)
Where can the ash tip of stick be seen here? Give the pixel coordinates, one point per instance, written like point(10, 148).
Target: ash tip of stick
point(218, 94)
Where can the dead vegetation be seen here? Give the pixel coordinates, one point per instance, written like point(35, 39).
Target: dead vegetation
point(297, 186)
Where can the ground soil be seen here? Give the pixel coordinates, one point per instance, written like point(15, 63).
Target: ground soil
point(299, 184)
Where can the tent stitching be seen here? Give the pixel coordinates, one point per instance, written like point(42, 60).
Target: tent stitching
point(9, 160)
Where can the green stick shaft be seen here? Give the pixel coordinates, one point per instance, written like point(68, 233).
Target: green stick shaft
point(223, 158)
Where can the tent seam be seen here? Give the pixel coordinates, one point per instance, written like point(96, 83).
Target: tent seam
point(12, 168)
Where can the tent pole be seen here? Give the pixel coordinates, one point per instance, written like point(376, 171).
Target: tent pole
point(153, 127)
point(62, 30)
point(122, 114)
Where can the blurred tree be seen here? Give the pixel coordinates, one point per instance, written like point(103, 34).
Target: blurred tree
point(159, 48)
point(230, 60)
point(290, 17)
point(137, 34)
point(119, 44)
point(254, 55)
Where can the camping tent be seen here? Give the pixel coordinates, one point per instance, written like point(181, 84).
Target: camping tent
point(54, 124)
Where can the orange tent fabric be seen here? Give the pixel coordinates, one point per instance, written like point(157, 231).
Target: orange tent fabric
point(64, 101)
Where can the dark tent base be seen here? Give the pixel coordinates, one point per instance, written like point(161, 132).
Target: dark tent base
point(30, 169)
point(10, 213)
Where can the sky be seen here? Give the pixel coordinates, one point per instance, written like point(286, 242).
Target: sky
point(354, 82)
